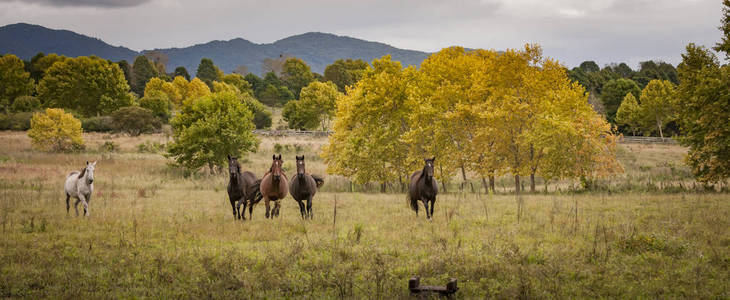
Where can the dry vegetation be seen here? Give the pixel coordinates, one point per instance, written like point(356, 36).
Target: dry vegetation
point(154, 233)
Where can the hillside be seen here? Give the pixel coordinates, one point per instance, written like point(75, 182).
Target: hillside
point(317, 49)
point(26, 40)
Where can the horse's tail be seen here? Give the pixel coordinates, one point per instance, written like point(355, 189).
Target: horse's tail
point(257, 196)
point(318, 180)
point(412, 202)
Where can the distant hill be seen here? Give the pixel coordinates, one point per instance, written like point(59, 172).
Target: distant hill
point(316, 49)
point(26, 40)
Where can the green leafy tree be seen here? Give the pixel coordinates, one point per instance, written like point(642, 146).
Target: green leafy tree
point(181, 71)
point(239, 82)
point(614, 91)
point(127, 69)
point(208, 72)
point(589, 66)
point(315, 108)
point(344, 73)
point(296, 75)
point(209, 129)
point(703, 103)
point(135, 120)
point(89, 85)
point(257, 84)
point(14, 80)
point(724, 45)
point(261, 115)
point(157, 102)
point(629, 114)
point(55, 130)
point(657, 99)
point(142, 71)
point(157, 85)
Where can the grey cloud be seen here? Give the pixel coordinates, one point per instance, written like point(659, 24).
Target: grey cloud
point(84, 3)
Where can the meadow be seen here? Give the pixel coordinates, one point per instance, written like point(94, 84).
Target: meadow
point(155, 233)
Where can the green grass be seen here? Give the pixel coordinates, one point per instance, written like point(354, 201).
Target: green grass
point(156, 234)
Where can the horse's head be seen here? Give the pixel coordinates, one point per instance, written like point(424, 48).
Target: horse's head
point(90, 172)
point(300, 165)
point(428, 167)
point(276, 167)
point(233, 167)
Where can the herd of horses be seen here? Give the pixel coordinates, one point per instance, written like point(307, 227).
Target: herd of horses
point(245, 189)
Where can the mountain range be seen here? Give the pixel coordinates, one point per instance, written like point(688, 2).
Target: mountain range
point(317, 49)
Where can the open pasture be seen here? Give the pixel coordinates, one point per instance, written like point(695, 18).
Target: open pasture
point(153, 233)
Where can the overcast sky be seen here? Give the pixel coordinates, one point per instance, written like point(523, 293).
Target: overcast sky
point(570, 30)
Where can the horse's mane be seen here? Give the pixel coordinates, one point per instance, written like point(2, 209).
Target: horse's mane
point(83, 172)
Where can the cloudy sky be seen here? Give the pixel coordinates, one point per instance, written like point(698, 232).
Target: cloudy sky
point(569, 30)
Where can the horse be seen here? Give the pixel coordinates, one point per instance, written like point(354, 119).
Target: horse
point(303, 187)
point(423, 187)
point(80, 185)
point(273, 187)
point(243, 187)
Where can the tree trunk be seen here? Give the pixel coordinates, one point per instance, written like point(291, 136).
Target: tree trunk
point(463, 176)
point(532, 183)
point(485, 186)
point(517, 184)
point(382, 187)
point(491, 183)
point(443, 181)
point(659, 124)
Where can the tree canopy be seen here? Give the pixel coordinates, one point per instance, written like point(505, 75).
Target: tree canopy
point(14, 80)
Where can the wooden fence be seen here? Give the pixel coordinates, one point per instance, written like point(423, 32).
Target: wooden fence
point(313, 133)
point(647, 140)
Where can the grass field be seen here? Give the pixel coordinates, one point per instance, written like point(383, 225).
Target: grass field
point(154, 233)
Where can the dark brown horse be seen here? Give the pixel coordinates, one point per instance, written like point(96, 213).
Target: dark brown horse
point(243, 189)
point(423, 187)
point(274, 186)
point(303, 186)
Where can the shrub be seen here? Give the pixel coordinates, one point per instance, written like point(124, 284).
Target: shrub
point(98, 124)
point(25, 104)
point(150, 147)
point(109, 146)
point(55, 130)
point(16, 121)
point(135, 120)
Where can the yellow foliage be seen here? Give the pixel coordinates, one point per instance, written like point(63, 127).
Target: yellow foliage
point(196, 89)
point(158, 85)
point(55, 130)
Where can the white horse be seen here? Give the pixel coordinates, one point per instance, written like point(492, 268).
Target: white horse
point(80, 185)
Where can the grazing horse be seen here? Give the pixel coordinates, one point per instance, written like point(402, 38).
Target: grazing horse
point(303, 187)
point(80, 185)
point(273, 187)
point(243, 187)
point(423, 187)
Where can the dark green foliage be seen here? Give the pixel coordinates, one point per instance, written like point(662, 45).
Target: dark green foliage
point(261, 115)
point(15, 121)
point(589, 66)
point(724, 45)
point(208, 72)
point(98, 124)
point(345, 72)
point(703, 113)
point(15, 81)
point(127, 69)
point(25, 104)
point(181, 71)
point(614, 92)
point(650, 70)
point(296, 74)
point(299, 117)
point(32, 67)
point(135, 120)
point(143, 71)
point(257, 84)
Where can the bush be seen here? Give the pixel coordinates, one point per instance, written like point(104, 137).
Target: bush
point(98, 124)
point(150, 147)
point(16, 121)
point(135, 121)
point(109, 146)
point(55, 130)
point(25, 104)
point(261, 115)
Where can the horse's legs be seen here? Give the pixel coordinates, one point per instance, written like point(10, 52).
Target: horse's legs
point(268, 206)
point(85, 204)
point(277, 206)
point(242, 213)
point(68, 206)
point(250, 211)
point(301, 208)
point(309, 207)
point(233, 206)
point(425, 204)
point(433, 203)
point(76, 205)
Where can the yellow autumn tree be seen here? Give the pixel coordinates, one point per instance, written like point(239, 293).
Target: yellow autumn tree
point(371, 121)
point(181, 85)
point(55, 130)
point(157, 85)
point(196, 89)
